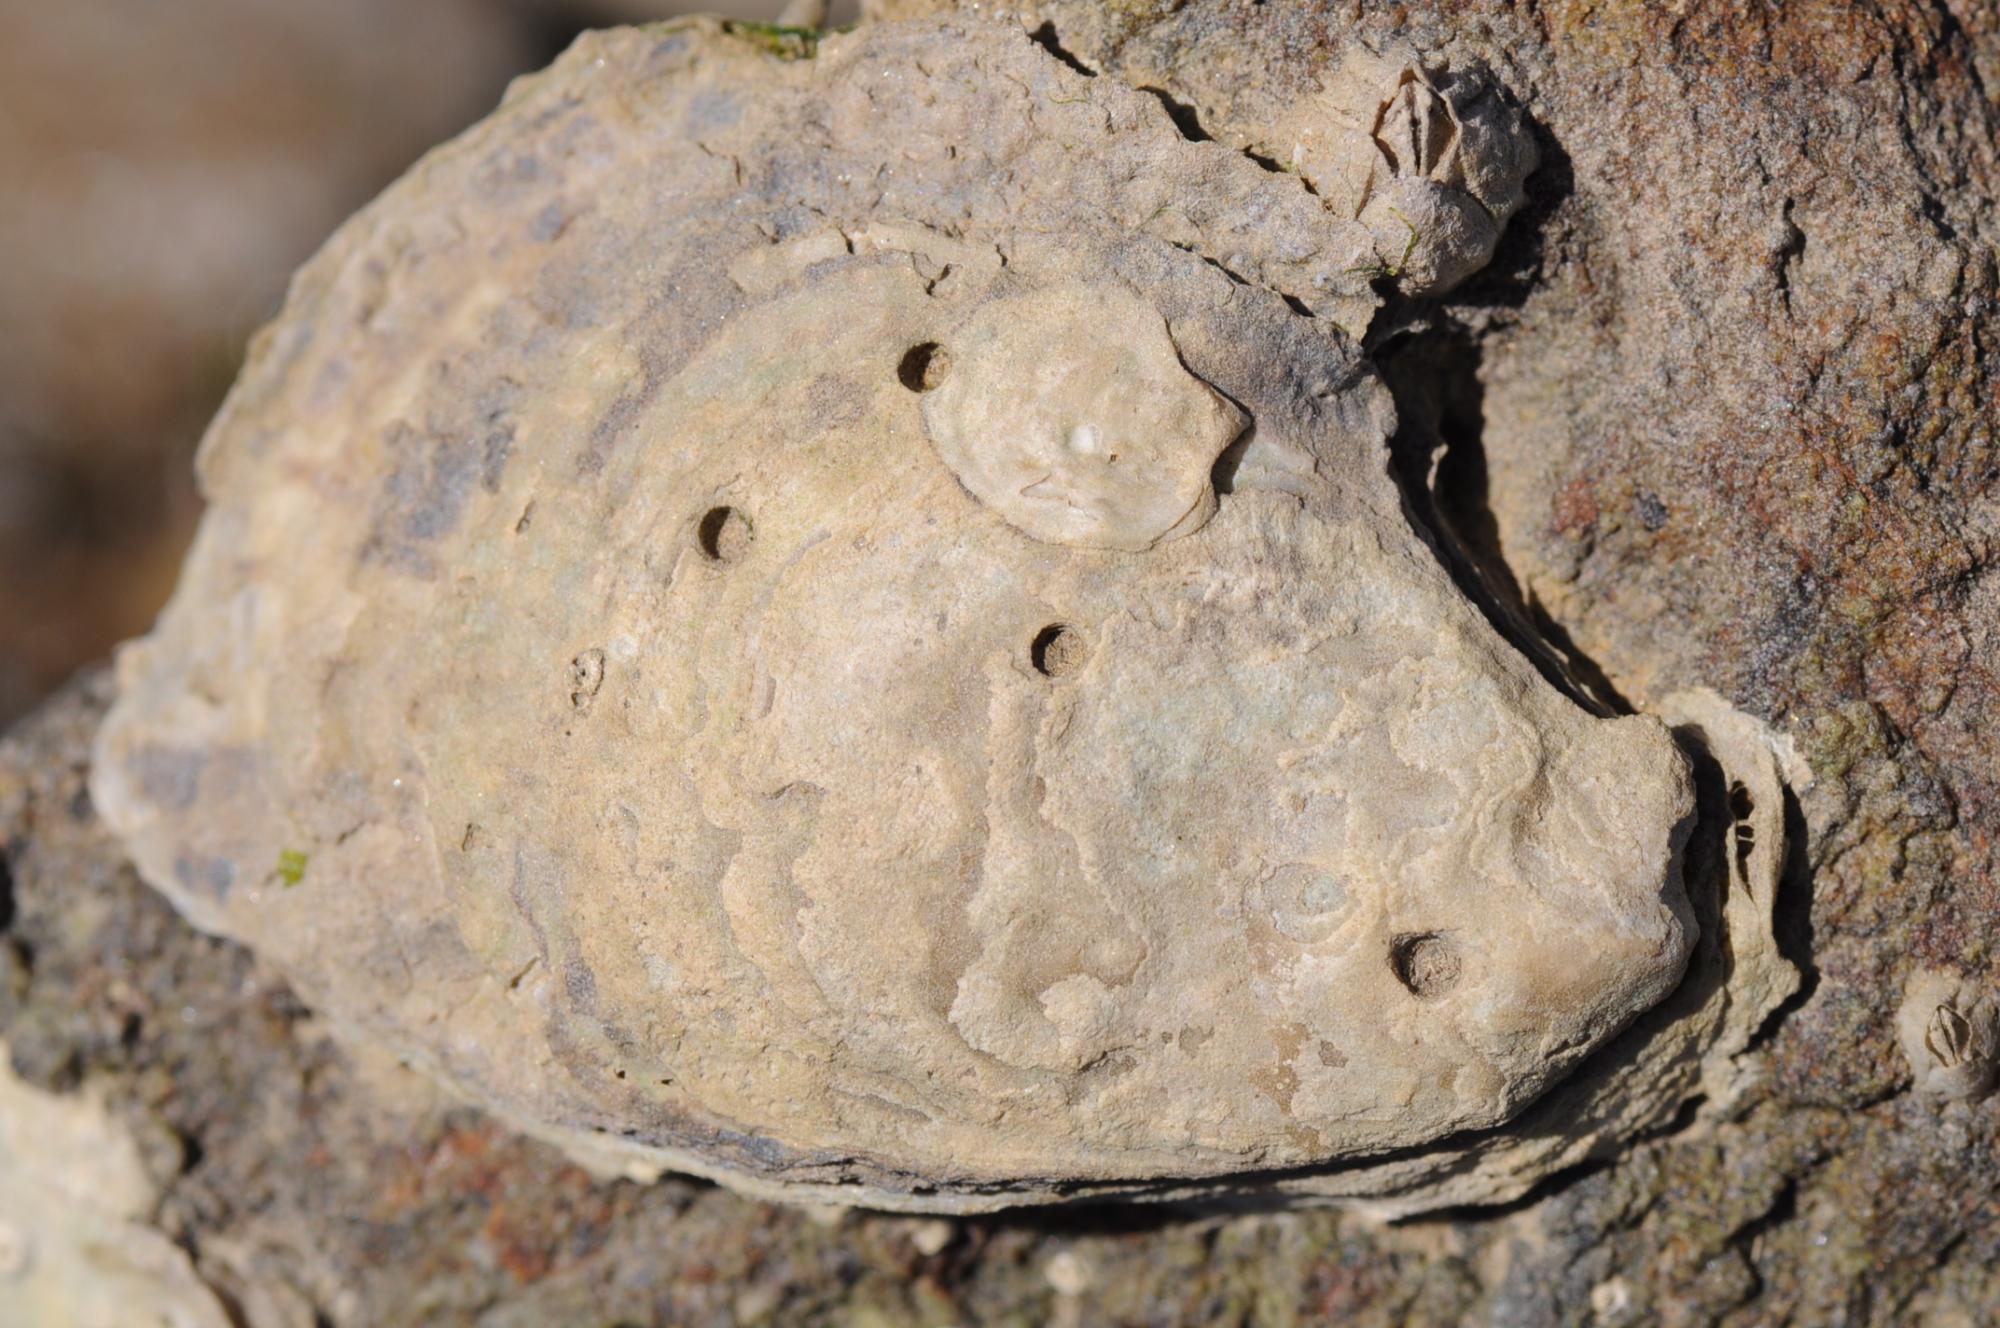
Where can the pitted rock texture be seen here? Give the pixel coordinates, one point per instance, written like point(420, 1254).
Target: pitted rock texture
point(889, 662)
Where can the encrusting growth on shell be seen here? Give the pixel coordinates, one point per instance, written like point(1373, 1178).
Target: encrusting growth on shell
point(1071, 415)
point(1950, 1035)
point(1432, 171)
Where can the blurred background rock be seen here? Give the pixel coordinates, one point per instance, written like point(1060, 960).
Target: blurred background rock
point(164, 165)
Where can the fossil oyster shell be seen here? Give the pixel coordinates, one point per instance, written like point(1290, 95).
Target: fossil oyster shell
point(835, 624)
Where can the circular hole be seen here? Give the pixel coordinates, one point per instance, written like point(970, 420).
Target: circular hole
point(1057, 650)
point(1426, 963)
point(723, 534)
point(923, 366)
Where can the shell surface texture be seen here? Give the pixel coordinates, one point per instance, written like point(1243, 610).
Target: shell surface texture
point(843, 624)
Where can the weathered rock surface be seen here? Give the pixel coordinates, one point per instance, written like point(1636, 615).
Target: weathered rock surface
point(717, 634)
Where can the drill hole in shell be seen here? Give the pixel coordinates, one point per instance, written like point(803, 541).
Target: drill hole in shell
point(1056, 650)
point(1426, 962)
point(723, 533)
point(923, 366)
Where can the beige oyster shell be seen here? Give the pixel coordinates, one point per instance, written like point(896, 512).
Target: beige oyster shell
point(827, 623)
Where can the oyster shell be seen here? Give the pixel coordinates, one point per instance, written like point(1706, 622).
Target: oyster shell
point(838, 624)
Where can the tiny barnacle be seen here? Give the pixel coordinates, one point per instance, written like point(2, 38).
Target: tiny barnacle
point(1948, 1037)
point(1947, 1027)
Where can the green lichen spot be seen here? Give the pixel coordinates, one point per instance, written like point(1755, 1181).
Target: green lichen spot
point(781, 40)
point(1391, 271)
point(291, 867)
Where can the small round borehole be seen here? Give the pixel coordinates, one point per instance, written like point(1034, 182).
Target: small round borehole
point(723, 534)
point(1057, 650)
point(1426, 963)
point(923, 366)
